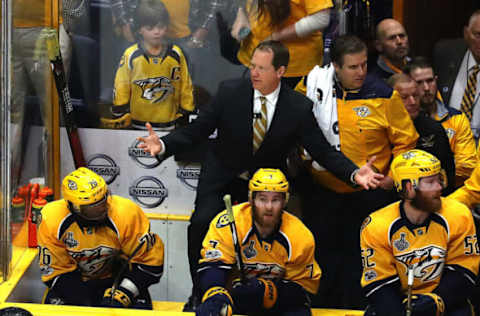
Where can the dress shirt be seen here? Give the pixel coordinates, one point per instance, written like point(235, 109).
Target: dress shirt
point(272, 99)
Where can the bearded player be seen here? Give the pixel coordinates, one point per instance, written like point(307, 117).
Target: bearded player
point(81, 239)
point(277, 252)
point(433, 235)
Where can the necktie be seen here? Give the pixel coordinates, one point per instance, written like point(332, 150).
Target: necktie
point(470, 91)
point(260, 126)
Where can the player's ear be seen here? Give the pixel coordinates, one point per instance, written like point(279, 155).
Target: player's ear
point(409, 190)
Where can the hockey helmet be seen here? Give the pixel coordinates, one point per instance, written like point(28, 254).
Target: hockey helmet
point(86, 193)
point(414, 165)
point(271, 180)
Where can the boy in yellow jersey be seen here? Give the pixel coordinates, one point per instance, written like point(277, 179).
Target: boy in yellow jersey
point(82, 236)
point(277, 252)
point(152, 83)
point(434, 236)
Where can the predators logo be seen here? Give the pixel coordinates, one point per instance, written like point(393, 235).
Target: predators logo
point(155, 89)
point(427, 262)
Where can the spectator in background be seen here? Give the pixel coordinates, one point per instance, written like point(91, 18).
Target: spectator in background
point(361, 117)
point(152, 82)
point(432, 135)
point(297, 24)
point(457, 65)
point(455, 122)
point(393, 49)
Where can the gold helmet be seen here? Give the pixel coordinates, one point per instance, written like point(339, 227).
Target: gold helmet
point(272, 180)
point(414, 165)
point(86, 193)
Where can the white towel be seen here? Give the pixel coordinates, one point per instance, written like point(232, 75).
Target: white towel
point(320, 89)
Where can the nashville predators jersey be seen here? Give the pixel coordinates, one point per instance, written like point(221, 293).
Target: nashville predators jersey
point(390, 244)
point(469, 193)
point(65, 246)
point(155, 87)
point(288, 255)
point(460, 136)
point(372, 121)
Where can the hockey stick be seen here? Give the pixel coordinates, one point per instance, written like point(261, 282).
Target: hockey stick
point(65, 102)
point(231, 222)
point(116, 281)
point(408, 311)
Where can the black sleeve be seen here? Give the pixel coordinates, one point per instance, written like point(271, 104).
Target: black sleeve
point(184, 138)
point(290, 294)
point(387, 300)
point(143, 275)
point(314, 141)
point(456, 285)
point(71, 289)
point(212, 274)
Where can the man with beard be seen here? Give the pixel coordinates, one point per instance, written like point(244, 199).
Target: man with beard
point(393, 48)
point(81, 239)
point(432, 136)
point(456, 124)
point(277, 252)
point(433, 236)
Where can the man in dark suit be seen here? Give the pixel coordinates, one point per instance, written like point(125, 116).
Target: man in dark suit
point(234, 112)
point(454, 60)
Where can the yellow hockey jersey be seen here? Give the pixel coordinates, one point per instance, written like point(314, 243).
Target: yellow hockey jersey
point(156, 87)
point(64, 246)
point(289, 255)
point(390, 243)
point(469, 193)
point(460, 136)
point(372, 121)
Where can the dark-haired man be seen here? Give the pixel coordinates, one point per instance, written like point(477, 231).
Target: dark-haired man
point(393, 48)
point(456, 124)
point(362, 117)
point(258, 122)
point(432, 136)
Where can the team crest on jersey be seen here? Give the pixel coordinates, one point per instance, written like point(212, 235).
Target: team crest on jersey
point(249, 251)
point(427, 141)
point(155, 89)
point(427, 262)
point(223, 221)
point(93, 262)
point(450, 133)
point(362, 111)
point(266, 270)
point(370, 275)
point(46, 270)
point(69, 241)
point(401, 244)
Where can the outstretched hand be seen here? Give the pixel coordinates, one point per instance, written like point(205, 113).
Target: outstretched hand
point(366, 177)
point(151, 143)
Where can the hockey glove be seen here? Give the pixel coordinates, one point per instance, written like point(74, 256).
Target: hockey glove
point(116, 123)
point(215, 302)
point(255, 294)
point(427, 304)
point(120, 298)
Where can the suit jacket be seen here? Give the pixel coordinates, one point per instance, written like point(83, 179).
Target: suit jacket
point(447, 58)
point(231, 113)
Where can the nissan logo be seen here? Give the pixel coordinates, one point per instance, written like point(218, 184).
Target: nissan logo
point(105, 166)
point(148, 191)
